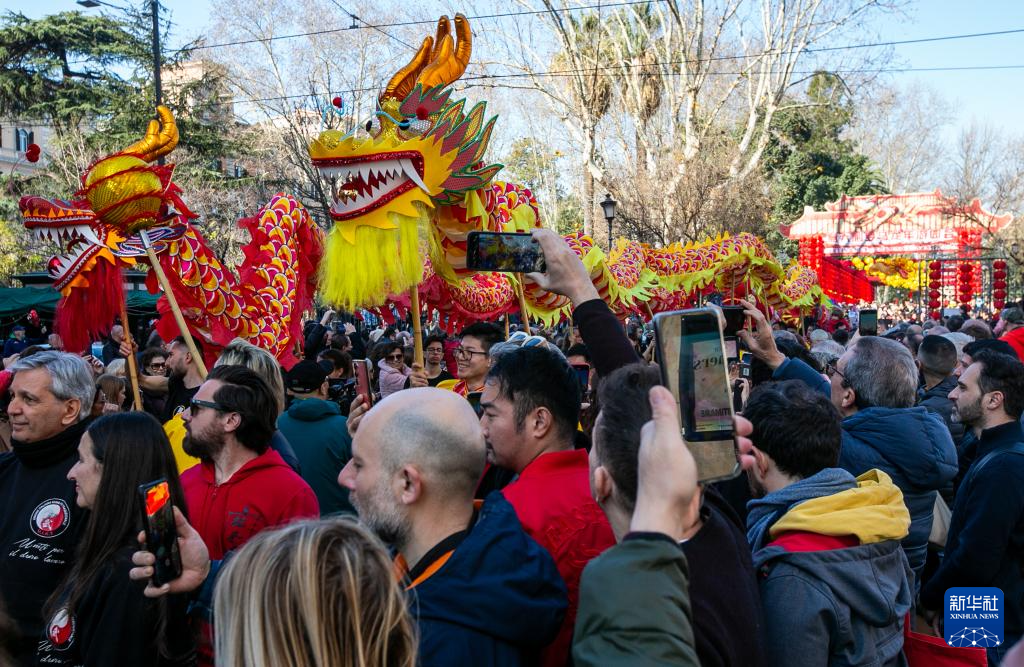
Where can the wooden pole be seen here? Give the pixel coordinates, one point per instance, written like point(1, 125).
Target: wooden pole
point(650, 313)
point(417, 327)
point(522, 304)
point(506, 326)
point(133, 371)
point(175, 309)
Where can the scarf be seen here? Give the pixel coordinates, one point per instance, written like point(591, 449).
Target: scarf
point(764, 512)
point(48, 452)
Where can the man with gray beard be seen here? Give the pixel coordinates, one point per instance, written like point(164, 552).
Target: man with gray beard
point(483, 592)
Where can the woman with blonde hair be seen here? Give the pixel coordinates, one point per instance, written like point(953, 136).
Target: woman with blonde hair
point(315, 593)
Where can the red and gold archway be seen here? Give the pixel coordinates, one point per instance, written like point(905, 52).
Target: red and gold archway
point(925, 224)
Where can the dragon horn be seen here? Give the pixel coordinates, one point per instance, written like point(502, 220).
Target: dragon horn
point(450, 60)
point(444, 28)
point(161, 137)
point(402, 82)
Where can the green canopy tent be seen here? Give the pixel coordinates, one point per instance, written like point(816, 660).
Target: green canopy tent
point(16, 302)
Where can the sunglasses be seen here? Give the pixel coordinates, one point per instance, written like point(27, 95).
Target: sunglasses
point(197, 403)
point(395, 357)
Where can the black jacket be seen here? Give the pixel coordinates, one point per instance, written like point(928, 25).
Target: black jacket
point(937, 400)
point(723, 589)
point(114, 624)
point(40, 525)
point(985, 546)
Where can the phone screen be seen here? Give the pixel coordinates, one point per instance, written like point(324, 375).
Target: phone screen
point(731, 349)
point(161, 536)
point(694, 367)
point(362, 371)
point(582, 375)
point(512, 253)
point(868, 325)
point(734, 316)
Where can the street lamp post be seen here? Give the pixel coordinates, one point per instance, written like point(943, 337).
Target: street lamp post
point(154, 7)
point(609, 205)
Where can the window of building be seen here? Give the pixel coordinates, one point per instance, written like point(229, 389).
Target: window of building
point(23, 138)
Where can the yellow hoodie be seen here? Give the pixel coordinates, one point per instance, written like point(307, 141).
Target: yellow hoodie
point(874, 511)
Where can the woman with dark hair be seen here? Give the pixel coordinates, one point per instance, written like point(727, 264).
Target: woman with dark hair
point(97, 615)
point(394, 374)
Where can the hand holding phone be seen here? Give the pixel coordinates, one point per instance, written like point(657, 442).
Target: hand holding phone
point(867, 325)
point(161, 536)
point(694, 367)
point(363, 368)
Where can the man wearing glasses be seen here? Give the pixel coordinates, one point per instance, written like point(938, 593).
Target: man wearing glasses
point(433, 358)
point(472, 357)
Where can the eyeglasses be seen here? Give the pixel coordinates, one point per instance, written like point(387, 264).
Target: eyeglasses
point(435, 350)
point(159, 366)
point(831, 369)
point(467, 354)
point(197, 403)
point(395, 357)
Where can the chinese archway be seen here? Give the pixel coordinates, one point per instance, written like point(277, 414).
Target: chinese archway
point(926, 224)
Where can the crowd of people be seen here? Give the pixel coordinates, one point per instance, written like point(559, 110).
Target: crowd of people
point(519, 497)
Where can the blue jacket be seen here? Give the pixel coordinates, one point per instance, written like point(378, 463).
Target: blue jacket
point(319, 435)
point(911, 445)
point(985, 545)
point(497, 600)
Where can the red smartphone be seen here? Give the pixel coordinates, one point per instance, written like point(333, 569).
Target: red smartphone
point(161, 536)
point(362, 369)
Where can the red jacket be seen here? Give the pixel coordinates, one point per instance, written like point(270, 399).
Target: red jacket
point(264, 492)
point(553, 502)
point(1016, 340)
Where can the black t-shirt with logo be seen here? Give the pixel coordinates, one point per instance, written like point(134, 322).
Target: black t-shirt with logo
point(178, 397)
point(113, 623)
point(40, 525)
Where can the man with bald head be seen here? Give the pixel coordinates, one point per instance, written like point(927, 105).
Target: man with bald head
point(483, 592)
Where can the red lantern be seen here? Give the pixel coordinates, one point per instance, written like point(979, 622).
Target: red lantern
point(999, 274)
point(935, 265)
point(999, 264)
point(998, 294)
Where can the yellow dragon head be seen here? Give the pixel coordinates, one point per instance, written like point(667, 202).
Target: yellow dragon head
point(419, 151)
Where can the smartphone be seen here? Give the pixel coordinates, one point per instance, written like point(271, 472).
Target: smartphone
point(161, 536)
point(745, 364)
point(363, 369)
point(734, 321)
point(868, 323)
point(694, 367)
point(582, 375)
point(511, 253)
point(474, 400)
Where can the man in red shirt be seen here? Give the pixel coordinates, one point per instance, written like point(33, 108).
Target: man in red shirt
point(531, 407)
point(242, 486)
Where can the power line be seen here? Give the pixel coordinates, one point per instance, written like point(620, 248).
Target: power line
point(563, 73)
point(397, 24)
point(570, 72)
point(377, 28)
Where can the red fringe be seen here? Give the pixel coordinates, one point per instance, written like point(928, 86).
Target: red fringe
point(87, 313)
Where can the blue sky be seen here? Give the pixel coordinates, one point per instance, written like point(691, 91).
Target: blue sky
point(995, 97)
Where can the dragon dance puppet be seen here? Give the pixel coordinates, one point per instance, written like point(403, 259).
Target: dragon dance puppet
point(126, 198)
point(412, 182)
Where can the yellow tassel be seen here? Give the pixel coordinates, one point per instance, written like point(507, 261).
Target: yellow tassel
point(381, 262)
